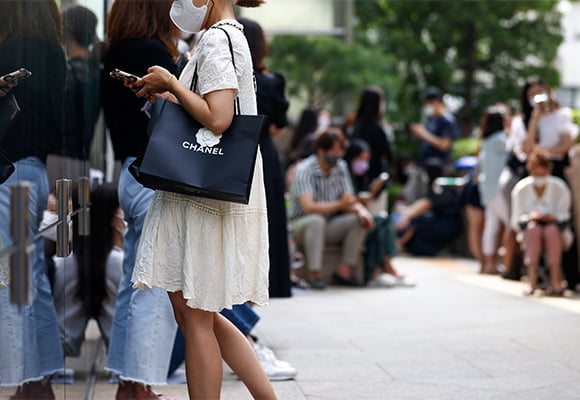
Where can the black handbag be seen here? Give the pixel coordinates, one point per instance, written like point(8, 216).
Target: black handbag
point(184, 157)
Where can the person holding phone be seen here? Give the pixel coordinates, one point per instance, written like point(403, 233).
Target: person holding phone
point(31, 37)
point(209, 255)
point(6, 85)
point(143, 327)
point(541, 205)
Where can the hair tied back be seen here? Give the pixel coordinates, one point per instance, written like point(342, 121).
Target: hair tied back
point(248, 3)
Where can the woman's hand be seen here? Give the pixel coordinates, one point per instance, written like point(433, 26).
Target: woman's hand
point(540, 110)
point(158, 80)
point(535, 216)
point(365, 218)
point(548, 218)
point(5, 87)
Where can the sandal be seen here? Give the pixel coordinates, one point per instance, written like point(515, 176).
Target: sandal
point(530, 291)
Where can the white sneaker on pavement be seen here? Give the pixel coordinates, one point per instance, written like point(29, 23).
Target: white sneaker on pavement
point(405, 282)
point(383, 280)
point(275, 369)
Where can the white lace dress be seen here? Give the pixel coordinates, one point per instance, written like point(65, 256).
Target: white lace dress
point(216, 252)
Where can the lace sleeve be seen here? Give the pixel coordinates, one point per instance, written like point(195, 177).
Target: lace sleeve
point(215, 68)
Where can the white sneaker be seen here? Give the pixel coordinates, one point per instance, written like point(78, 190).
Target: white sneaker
point(405, 282)
point(383, 280)
point(275, 369)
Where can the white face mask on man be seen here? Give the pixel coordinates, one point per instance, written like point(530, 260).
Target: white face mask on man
point(186, 16)
point(429, 110)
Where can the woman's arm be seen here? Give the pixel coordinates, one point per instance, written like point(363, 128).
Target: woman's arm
point(214, 111)
point(563, 147)
point(412, 211)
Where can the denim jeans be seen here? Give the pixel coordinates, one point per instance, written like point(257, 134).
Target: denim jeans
point(30, 345)
point(144, 327)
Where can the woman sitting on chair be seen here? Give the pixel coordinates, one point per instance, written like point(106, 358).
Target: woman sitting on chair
point(541, 213)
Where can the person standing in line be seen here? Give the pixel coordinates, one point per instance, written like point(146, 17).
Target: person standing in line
point(492, 159)
point(139, 34)
point(70, 156)
point(272, 103)
point(437, 136)
point(368, 128)
point(209, 254)
point(31, 37)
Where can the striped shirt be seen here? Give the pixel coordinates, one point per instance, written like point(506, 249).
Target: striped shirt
point(310, 179)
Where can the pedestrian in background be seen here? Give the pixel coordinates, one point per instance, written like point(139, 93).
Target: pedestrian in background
point(140, 34)
point(272, 103)
point(31, 37)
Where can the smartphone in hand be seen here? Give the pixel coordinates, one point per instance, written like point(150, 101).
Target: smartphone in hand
point(125, 77)
point(16, 77)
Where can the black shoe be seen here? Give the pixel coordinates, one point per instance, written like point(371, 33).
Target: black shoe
point(341, 280)
point(512, 274)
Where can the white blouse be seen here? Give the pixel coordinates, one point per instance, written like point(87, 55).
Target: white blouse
point(555, 200)
point(551, 127)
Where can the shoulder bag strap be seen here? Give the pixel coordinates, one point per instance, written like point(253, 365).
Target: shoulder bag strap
point(195, 76)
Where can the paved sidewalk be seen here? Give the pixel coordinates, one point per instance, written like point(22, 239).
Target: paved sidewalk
point(457, 335)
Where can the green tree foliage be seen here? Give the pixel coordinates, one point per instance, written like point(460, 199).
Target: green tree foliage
point(480, 50)
point(320, 70)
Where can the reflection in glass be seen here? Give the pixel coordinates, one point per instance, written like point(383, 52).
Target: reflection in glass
point(31, 37)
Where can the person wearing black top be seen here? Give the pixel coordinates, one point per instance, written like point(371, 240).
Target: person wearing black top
point(430, 223)
point(70, 154)
point(368, 128)
point(31, 38)
point(143, 328)
point(273, 103)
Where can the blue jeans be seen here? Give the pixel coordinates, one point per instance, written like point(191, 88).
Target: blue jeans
point(30, 345)
point(143, 326)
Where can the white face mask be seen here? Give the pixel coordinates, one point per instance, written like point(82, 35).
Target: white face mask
point(429, 110)
point(186, 16)
point(539, 181)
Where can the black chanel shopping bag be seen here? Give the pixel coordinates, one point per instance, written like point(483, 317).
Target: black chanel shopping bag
point(184, 157)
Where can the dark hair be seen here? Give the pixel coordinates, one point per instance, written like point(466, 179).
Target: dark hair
point(257, 42)
point(92, 251)
point(369, 107)
point(492, 121)
point(327, 139)
point(525, 107)
point(80, 24)
point(133, 19)
point(38, 19)
point(356, 148)
point(248, 3)
point(307, 124)
point(432, 93)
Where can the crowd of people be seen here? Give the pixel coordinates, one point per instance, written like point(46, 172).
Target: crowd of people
point(156, 261)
